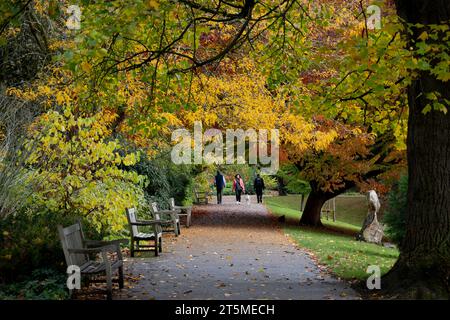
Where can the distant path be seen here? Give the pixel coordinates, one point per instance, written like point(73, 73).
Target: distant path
point(231, 252)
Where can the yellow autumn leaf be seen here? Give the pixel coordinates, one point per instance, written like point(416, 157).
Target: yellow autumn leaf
point(423, 36)
point(129, 159)
point(60, 99)
point(86, 66)
point(152, 4)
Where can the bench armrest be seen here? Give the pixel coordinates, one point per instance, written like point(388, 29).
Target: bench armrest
point(107, 248)
point(173, 214)
point(182, 207)
point(145, 223)
point(168, 211)
point(99, 243)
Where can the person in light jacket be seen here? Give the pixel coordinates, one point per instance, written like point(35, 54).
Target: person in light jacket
point(238, 187)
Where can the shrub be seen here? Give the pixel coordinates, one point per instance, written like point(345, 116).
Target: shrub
point(270, 182)
point(29, 241)
point(289, 174)
point(81, 171)
point(43, 284)
point(203, 181)
point(165, 180)
point(394, 217)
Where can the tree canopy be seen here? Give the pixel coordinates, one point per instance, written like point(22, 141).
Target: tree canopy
point(109, 81)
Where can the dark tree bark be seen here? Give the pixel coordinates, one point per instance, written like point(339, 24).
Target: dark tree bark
point(314, 203)
point(313, 207)
point(423, 268)
point(302, 202)
point(281, 187)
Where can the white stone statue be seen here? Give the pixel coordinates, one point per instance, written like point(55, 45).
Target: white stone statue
point(372, 230)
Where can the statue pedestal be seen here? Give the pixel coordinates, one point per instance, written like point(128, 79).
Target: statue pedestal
point(372, 230)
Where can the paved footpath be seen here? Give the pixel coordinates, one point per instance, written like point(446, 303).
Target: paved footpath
point(230, 252)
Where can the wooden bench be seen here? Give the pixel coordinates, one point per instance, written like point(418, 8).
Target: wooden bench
point(170, 221)
point(201, 197)
point(137, 236)
point(329, 207)
point(185, 211)
point(78, 252)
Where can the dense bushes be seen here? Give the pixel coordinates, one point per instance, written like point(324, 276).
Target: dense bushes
point(165, 180)
point(269, 182)
point(75, 179)
point(289, 176)
point(29, 241)
point(394, 216)
point(43, 284)
point(73, 170)
point(80, 169)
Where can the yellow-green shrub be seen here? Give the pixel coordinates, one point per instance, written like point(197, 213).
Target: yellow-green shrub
point(80, 171)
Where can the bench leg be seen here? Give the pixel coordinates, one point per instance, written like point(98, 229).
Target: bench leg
point(157, 243)
point(160, 244)
point(108, 278)
point(188, 219)
point(132, 247)
point(121, 278)
point(176, 229)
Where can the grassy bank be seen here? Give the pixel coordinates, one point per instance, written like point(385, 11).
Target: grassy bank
point(335, 245)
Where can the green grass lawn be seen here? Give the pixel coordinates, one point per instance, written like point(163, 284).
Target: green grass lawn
point(349, 209)
point(335, 245)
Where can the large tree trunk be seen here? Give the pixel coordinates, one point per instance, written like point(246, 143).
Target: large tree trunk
point(314, 203)
point(423, 268)
point(313, 207)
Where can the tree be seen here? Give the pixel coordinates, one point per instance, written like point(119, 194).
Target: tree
point(351, 158)
point(15, 117)
point(24, 53)
point(353, 87)
point(423, 268)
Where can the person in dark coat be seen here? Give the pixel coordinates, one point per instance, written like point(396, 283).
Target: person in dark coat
point(219, 181)
point(259, 187)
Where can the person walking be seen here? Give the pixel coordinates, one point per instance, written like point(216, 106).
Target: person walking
point(259, 187)
point(220, 182)
point(238, 187)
